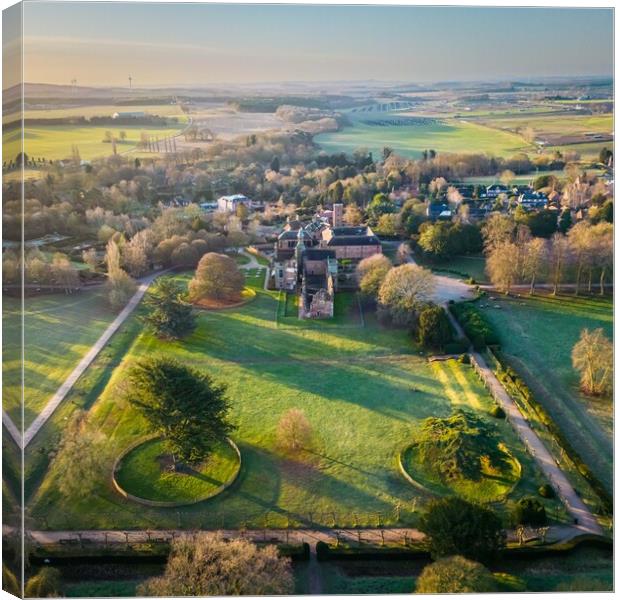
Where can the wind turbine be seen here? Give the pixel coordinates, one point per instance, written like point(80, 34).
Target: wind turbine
point(130, 78)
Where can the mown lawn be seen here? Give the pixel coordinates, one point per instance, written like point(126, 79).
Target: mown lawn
point(59, 330)
point(364, 390)
point(461, 267)
point(538, 334)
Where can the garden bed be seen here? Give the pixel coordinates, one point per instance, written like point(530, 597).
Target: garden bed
point(247, 295)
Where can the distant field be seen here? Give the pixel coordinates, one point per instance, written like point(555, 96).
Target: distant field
point(410, 140)
point(569, 132)
point(538, 334)
point(54, 142)
point(529, 177)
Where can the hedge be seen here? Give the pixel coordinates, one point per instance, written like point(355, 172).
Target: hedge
point(509, 377)
point(476, 327)
point(326, 551)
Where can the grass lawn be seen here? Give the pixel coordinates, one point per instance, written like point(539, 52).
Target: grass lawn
point(58, 331)
point(356, 385)
point(538, 335)
point(461, 267)
point(54, 142)
point(143, 473)
point(410, 140)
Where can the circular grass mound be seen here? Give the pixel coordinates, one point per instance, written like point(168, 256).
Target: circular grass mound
point(493, 485)
point(461, 454)
point(247, 295)
point(144, 474)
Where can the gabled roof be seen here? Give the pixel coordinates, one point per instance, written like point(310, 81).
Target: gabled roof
point(318, 254)
point(362, 230)
point(354, 240)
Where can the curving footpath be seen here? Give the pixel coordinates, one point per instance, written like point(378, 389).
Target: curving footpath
point(69, 382)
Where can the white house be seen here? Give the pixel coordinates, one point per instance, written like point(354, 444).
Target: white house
point(230, 203)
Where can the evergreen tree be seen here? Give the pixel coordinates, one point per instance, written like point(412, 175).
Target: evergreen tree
point(182, 404)
point(169, 316)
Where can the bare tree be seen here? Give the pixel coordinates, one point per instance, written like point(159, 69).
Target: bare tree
point(559, 255)
point(535, 257)
point(206, 565)
point(502, 267)
point(294, 431)
point(593, 357)
point(497, 230)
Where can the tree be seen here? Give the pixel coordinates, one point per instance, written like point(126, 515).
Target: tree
point(497, 230)
point(206, 565)
point(120, 286)
point(434, 239)
point(90, 258)
point(137, 252)
point(352, 215)
point(535, 254)
point(580, 242)
point(122, 136)
point(182, 404)
point(371, 272)
point(593, 358)
point(529, 511)
point(434, 328)
point(404, 290)
point(502, 266)
point(507, 177)
point(82, 459)
point(45, 584)
point(294, 431)
point(455, 575)
point(9, 582)
point(169, 316)
point(603, 250)
point(454, 526)
point(275, 164)
point(558, 258)
point(64, 274)
point(217, 277)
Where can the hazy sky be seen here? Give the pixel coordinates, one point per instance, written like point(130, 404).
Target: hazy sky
point(102, 43)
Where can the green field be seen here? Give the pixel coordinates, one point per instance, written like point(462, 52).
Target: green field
point(461, 267)
point(58, 331)
point(363, 388)
point(54, 142)
point(455, 136)
point(538, 335)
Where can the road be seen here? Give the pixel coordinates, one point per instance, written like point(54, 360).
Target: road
point(69, 382)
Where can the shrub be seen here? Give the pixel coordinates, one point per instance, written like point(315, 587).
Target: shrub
point(434, 329)
point(464, 359)
point(498, 412)
point(455, 575)
point(476, 327)
point(546, 491)
point(45, 584)
point(454, 526)
point(529, 511)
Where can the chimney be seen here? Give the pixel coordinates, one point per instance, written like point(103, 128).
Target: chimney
point(337, 215)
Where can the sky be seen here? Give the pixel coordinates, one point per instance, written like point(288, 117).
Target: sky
point(202, 44)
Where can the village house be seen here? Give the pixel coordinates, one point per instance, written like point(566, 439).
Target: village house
point(532, 200)
point(231, 203)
